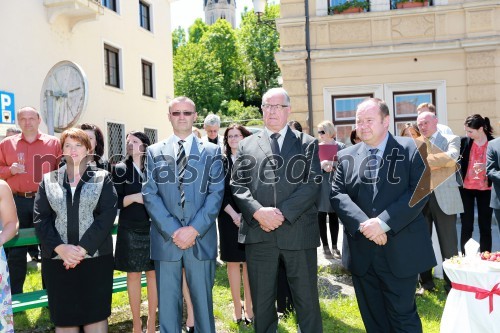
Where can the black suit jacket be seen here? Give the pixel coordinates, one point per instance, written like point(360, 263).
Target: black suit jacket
point(292, 188)
point(408, 248)
point(493, 171)
point(465, 147)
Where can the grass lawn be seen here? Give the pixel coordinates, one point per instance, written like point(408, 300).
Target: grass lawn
point(339, 312)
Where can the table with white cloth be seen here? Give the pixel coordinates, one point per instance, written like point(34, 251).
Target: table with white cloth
point(473, 304)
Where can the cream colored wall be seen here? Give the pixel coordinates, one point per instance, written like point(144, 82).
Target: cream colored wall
point(31, 46)
point(456, 44)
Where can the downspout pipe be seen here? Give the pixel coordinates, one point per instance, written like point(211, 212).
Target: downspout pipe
point(308, 71)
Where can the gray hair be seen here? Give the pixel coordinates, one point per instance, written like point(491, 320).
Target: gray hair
point(212, 120)
point(274, 91)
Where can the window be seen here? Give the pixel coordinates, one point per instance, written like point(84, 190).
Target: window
point(110, 4)
point(152, 134)
point(405, 106)
point(144, 15)
point(112, 66)
point(344, 114)
point(147, 79)
point(116, 142)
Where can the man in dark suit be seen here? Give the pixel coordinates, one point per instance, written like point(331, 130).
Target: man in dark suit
point(274, 184)
point(493, 172)
point(183, 194)
point(386, 231)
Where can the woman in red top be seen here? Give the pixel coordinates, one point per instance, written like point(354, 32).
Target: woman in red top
point(476, 184)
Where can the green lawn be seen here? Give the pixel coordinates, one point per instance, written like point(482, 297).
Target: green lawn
point(340, 313)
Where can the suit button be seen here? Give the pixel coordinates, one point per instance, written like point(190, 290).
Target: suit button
point(182, 220)
point(374, 210)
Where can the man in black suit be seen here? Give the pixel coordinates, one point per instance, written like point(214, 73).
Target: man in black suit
point(493, 172)
point(274, 184)
point(374, 195)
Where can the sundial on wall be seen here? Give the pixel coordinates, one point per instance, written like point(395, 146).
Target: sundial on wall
point(64, 96)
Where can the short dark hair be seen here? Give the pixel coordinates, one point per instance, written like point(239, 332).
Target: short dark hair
point(145, 143)
point(475, 121)
point(99, 138)
point(295, 124)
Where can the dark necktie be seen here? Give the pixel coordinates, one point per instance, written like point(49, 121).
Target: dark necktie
point(275, 147)
point(181, 168)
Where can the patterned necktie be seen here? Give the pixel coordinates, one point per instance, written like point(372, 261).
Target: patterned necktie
point(181, 169)
point(372, 168)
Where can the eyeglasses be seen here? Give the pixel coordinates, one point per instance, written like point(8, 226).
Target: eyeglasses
point(185, 113)
point(276, 107)
point(322, 132)
point(234, 136)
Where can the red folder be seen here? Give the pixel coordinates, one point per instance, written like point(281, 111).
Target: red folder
point(328, 152)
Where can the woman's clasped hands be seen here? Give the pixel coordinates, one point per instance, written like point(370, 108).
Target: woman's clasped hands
point(72, 255)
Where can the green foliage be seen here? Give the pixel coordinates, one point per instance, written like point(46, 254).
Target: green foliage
point(178, 38)
point(197, 30)
point(220, 41)
point(235, 111)
point(349, 4)
point(198, 75)
point(258, 43)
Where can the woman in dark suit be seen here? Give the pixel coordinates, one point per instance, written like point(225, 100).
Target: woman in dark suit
point(228, 223)
point(476, 185)
point(75, 208)
point(132, 253)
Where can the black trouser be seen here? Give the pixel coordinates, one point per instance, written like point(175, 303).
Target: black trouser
point(17, 255)
point(334, 228)
point(484, 214)
point(284, 302)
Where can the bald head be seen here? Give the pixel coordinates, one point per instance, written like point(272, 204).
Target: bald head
point(427, 123)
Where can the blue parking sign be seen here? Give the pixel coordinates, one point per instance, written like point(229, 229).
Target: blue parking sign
point(7, 108)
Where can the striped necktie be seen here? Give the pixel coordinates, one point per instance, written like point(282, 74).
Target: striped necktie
point(181, 169)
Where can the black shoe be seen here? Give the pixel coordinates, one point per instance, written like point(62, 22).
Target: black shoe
point(36, 258)
point(189, 329)
point(237, 320)
point(248, 321)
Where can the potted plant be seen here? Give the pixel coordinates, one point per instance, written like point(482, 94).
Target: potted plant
point(350, 6)
point(411, 3)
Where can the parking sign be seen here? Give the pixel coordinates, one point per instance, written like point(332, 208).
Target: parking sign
point(7, 108)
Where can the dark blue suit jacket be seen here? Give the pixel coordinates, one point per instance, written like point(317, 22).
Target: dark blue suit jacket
point(408, 248)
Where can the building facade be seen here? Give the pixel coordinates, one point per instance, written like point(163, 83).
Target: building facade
point(106, 62)
point(220, 9)
point(447, 52)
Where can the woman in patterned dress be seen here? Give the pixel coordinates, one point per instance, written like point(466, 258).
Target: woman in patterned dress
point(8, 229)
point(75, 208)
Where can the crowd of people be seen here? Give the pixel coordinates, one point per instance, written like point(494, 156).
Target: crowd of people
point(263, 200)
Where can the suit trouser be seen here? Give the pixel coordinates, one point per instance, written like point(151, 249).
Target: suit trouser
point(446, 228)
point(386, 302)
point(284, 301)
point(301, 268)
point(484, 215)
point(16, 258)
point(200, 275)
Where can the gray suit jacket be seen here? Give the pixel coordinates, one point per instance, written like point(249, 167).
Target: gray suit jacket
point(493, 171)
point(446, 179)
point(294, 191)
point(203, 188)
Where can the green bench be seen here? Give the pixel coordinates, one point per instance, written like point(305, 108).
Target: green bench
point(38, 298)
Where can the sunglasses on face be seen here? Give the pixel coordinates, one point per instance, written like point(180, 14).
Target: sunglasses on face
point(185, 113)
point(322, 132)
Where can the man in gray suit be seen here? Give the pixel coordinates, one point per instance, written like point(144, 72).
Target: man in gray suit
point(183, 194)
point(444, 201)
point(275, 185)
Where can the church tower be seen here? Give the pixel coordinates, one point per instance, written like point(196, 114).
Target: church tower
point(216, 9)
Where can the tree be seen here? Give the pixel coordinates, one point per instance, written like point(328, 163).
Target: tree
point(220, 41)
point(235, 111)
point(258, 43)
point(178, 38)
point(197, 30)
point(197, 75)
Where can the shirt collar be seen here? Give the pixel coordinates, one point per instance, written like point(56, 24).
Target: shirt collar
point(282, 132)
point(381, 146)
